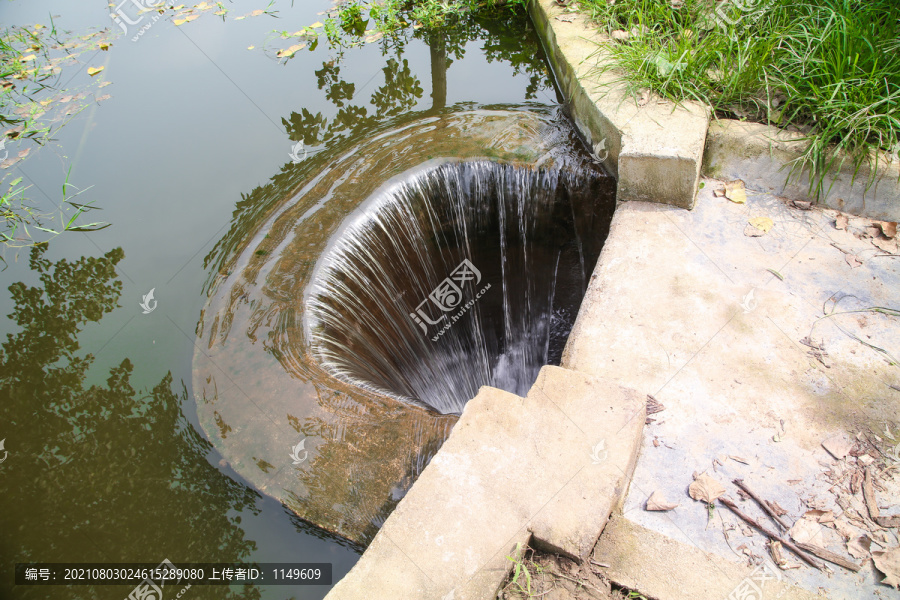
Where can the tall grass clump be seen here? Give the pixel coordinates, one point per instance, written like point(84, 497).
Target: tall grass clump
point(829, 69)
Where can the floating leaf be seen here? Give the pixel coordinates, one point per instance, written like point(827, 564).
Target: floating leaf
point(288, 52)
point(705, 488)
point(250, 47)
point(104, 97)
point(257, 12)
point(316, 25)
point(104, 46)
point(104, 84)
point(94, 70)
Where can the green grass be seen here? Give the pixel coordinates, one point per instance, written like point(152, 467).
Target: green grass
point(829, 69)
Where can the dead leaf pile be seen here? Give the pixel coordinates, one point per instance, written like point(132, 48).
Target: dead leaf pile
point(882, 234)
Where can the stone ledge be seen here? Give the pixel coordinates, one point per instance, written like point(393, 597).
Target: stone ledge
point(761, 156)
point(655, 150)
point(665, 569)
point(546, 469)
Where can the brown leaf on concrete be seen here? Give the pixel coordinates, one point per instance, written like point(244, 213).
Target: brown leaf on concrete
point(888, 562)
point(706, 488)
point(859, 547)
point(719, 193)
point(820, 516)
point(653, 405)
point(888, 228)
point(806, 531)
point(751, 231)
point(657, 502)
point(853, 260)
point(889, 246)
point(802, 204)
point(838, 445)
point(841, 222)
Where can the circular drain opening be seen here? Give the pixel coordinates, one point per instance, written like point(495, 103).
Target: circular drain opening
point(457, 276)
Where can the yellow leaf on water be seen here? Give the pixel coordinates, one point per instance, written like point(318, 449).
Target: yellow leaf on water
point(179, 22)
point(764, 224)
point(257, 12)
point(38, 26)
point(94, 70)
point(250, 47)
point(27, 58)
point(316, 24)
point(179, 7)
point(202, 6)
point(239, 18)
point(287, 52)
point(104, 84)
point(104, 46)
point(220, 13)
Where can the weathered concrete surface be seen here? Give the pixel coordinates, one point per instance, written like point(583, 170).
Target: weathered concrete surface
point(761, 156)
point(682, 306)
point(655, 149)
point(549, 467)
point(642, 559)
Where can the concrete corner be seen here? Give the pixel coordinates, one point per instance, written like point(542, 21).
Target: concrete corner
point(653, 147)
point(549, 467)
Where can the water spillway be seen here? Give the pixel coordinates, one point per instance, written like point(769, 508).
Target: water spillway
point(362, 297)
point(459, 275)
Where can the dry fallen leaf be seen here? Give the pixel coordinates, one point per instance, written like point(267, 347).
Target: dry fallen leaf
point(94, 70)
point(841, 222)
point(288, 52)
point(705, 488)
point(734, 191)
point(888, 562)
point(888, 229)
point(806, 532)
point(853, 260)
point(820, 516)
point(566, 18)
point(838, 445)
point(657, 502)
point(859, 547)
point(764, 224)
point(643, 97)
point(889, 246)
point(620, 35)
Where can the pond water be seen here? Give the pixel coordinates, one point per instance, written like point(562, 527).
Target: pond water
point(106, 460)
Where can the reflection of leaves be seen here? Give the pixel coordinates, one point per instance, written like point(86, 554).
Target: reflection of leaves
point(102, 468)
point(400, 91)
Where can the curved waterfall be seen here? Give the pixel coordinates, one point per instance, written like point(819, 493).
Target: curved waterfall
point(459, 275)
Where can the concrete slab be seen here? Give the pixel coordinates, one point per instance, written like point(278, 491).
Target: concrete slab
point(762, 155)
point(644, 560)
point(654, 148)
point(549, 467)
point(684, 306)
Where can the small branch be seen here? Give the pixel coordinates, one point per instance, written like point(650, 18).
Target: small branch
point(771, 534)
point(765, 505)
point(830, 556)
point(872, 504)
